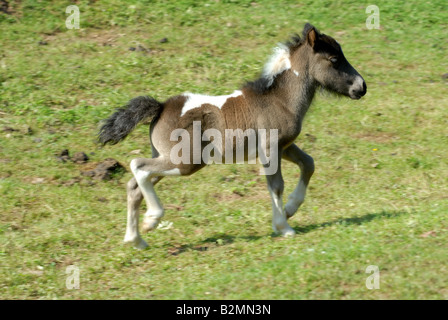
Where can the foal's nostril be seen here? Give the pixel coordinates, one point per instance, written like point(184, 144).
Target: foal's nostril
point(361, 92)
point(359, 88)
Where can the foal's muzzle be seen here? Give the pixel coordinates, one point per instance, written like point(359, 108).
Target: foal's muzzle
point(358, 89)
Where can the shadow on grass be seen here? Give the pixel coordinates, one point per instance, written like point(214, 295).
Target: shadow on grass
point(210, 243)
point(350, 221)
point(225, 239)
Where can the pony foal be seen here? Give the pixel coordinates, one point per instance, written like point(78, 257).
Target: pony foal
point(278, 100)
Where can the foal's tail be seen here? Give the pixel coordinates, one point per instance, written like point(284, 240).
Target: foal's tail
point(125, 119)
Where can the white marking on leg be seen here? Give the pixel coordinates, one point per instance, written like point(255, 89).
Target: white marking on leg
point(295, 199)
point(133, 166)
point(135, 240)
point(172, 172)
point(132, 235)
point(156, 212)
point(197, 100)
point(155, 209)
point(279, 223)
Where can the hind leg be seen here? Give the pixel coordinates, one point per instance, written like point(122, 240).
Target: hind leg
point(134, 199)
point(306, 164)
point(146, 172)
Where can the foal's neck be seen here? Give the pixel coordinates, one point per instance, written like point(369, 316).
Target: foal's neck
point(296, 89)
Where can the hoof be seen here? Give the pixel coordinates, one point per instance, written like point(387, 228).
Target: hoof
point(288, 232)
point(285, 231)
point(137, 243)
point(150, 224)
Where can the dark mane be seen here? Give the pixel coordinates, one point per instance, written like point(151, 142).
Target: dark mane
point(262, 84)
point(296, 41)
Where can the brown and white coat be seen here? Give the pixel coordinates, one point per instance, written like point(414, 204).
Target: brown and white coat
point(278, 100)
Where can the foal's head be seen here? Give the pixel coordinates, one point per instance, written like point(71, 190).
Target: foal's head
point(327, 64)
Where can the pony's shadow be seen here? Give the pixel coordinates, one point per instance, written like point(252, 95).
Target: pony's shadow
point(225, 239)
point(350, 221)
point(211, 243)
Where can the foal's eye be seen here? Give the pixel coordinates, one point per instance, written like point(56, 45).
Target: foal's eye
point(333, 60)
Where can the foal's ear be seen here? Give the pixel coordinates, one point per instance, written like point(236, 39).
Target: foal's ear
point(311, 35)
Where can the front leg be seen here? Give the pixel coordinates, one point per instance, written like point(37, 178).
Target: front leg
point(276, 186)
point(306, 163)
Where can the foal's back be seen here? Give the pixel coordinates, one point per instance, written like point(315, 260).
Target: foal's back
point(233, 111)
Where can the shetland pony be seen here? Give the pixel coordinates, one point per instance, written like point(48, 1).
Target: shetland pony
point(278, 100)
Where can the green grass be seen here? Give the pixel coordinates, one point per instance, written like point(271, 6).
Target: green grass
point(378, 196)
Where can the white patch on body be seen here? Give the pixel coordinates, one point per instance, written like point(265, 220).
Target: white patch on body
point(296, 73)
point(277, 63)
point(197, 100)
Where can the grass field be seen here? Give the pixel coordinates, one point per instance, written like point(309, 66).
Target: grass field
point(379, 195)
